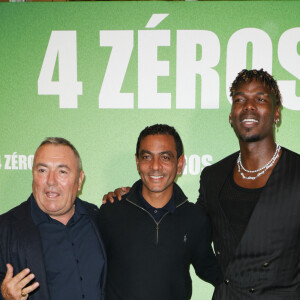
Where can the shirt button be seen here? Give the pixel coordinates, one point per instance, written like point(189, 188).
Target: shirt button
point(77, 260)
point(226, 281)
point(72, 244)
point(80, 278)
point(155, 211)
point(218, 252)
point(266, 264)
point(252, 290)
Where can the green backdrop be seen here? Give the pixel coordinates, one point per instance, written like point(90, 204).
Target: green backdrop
point(97, 73)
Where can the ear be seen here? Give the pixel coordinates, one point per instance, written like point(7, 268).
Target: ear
point(180, 163)
point(276, 113)
point(80, 180)
point(230, 121)
point(137, 163)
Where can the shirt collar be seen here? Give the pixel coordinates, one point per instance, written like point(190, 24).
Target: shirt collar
point(40, 217)
point(169, 207)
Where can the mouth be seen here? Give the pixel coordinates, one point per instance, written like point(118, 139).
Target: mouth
point(249, 121)
point(156, 177)
point(52, 195)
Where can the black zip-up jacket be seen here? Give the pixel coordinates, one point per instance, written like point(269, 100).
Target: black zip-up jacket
point(149, 260)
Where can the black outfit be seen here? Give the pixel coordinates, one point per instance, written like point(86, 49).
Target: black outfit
point(73, 256)
point(238, 204)
point(265, 263)
point(149, 260)
point(21, 246)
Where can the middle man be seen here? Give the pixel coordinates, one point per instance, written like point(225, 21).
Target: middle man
point(154, 233)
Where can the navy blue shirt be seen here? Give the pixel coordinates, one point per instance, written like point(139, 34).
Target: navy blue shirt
point(157, 213)
point(73, 257)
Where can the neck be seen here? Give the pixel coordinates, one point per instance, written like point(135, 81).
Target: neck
point(254, 155)
point(157, 199)
point(65, 218)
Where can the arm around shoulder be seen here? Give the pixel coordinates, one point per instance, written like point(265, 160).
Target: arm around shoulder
point(203, 257)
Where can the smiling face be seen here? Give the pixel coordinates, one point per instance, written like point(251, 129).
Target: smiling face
point(56, 181)
point(158, 166)
point(253, 112)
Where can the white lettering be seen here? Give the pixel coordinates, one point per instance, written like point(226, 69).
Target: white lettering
point(187, 67)
point(121, 42)
point(237, 53)
point(22, 162)
point(62, 44)
point(7, 162)
point(290, 60)
point(14, 159)
point(30, 161)
point(193, 163)
point(206, 160)
point(149, 69)
point(17, 162)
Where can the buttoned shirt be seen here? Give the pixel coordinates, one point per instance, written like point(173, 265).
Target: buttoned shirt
point(73, 257)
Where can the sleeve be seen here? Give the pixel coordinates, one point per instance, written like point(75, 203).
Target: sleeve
point(203, 258)
point(2, 259)
point(104, 224)
point(202, 201)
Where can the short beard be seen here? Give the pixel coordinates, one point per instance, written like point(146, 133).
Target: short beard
point(249, 139)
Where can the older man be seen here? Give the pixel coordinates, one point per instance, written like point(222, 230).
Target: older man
point(53, 233)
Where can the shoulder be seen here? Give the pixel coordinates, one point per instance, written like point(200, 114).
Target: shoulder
point(196, 214)
point(88, 205)
point(114, 207)
point(224, 163)
point(90, 208)
point(16, 213)
point(291, 154)
point(15, 219)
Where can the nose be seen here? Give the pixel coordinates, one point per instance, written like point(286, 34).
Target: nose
point(156, 163)
point(51, 178)
point(249, 105)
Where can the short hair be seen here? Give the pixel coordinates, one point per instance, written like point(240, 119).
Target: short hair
point(161, 129)
point(260, 75)
point(62, 142)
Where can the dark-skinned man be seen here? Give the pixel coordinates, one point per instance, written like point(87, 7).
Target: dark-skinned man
point(253, 199)
point(154, 234)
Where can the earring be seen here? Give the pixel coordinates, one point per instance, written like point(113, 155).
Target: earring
point(276, 121)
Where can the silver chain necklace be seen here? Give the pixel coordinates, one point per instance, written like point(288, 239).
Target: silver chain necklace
point(261, 170)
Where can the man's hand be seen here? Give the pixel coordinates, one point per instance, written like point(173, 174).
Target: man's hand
point(119, 192)
point(13, 287)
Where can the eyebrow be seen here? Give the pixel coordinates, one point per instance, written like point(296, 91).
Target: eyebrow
point(163, 152)
point(46, 166)
point(257, 93)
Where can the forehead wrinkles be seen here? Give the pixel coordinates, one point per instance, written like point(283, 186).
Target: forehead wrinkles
point(56, 155)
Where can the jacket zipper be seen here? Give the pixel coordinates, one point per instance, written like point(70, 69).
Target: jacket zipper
point(156, 223)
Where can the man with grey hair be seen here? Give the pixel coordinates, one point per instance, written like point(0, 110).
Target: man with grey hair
point(53, 233)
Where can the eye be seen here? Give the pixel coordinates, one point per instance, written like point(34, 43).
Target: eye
point(62, 171)
point(239, 99)
point(146, 157)
point(41, 170)
point(165, 157)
